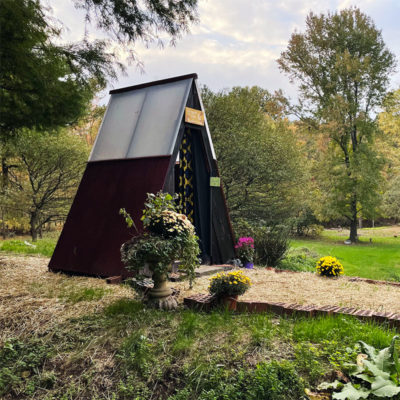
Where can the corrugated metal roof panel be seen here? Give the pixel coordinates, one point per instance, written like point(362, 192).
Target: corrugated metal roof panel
point(142, 122)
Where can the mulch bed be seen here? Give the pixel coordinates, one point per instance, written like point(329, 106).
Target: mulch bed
point(304, 288)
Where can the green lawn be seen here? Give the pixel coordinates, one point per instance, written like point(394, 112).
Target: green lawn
point(379, 259)
point(24, 244)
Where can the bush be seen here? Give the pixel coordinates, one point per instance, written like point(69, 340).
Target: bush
point(298, 262)
point(306, 224)
point(329, 266)
point(271, 243)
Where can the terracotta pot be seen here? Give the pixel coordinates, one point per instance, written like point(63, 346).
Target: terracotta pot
point(229, 302)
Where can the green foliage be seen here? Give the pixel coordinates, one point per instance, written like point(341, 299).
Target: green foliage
point(155, 204)
point(391, 199)
point(298, 262)
point(276, 381)
point(342, 67)
point(377, 375)
point(39, 78)
point(258, 156)
point(171, 237)
point(47, 170)
point(308, 361)
point(306, 224)
point(129, 21)
point(229, 284)
point(20, 365)
point(271, 244)
point(137, 353)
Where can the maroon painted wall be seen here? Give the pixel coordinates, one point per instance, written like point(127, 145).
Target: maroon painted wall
point(94, 231)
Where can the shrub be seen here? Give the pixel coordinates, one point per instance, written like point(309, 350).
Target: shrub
point(306, 224)
point(271, 242)
point(329, 266)
point(229, 284)
point(298, 262)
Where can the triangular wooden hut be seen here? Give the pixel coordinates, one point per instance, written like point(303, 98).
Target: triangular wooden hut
point(153, 137)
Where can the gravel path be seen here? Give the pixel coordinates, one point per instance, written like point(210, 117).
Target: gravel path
point(308, 288)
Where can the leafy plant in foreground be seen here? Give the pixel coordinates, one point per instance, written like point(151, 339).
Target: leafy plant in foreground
point(376, 375)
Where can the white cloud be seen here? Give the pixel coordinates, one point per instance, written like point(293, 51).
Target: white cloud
point(236, 41)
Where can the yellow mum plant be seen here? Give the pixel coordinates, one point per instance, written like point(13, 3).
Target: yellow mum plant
point(329, 266)
point(227, 284)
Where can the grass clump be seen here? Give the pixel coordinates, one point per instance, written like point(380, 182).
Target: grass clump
point(76, 295)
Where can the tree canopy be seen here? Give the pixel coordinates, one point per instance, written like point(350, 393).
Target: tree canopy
point(47, 170)
point(257, 153)
point(342, 66)
point(45, 84)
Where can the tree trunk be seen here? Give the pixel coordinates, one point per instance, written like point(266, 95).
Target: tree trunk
point(34, 225)
point(354, 220)
point(3, 224)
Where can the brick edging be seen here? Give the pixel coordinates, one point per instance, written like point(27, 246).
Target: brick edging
point(350, 278)
point(206, 302)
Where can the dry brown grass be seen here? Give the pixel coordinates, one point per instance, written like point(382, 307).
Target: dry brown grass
point(33, 300)
point(308, 288)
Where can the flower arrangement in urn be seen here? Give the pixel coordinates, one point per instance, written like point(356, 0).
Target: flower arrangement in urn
point(168, 236)
point(245, 251)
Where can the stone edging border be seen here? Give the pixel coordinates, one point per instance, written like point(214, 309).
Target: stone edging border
point(206, 302)
point(350, 278)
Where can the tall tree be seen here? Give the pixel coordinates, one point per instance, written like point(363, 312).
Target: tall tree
point(258, 157)
point(130, 20)
point(44, 84)
point(49, 168)
point(342, 66)
point(389, 147)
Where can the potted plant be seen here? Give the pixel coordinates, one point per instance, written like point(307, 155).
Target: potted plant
point(329, 266)
point(227, 286)
point(168, 236)
point(245, 251)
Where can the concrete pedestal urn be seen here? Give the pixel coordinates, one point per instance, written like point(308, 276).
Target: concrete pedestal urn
point(160, 295)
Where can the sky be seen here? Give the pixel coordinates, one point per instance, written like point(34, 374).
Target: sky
point(235, 43)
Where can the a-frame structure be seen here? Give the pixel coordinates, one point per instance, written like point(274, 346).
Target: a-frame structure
point(153, 137)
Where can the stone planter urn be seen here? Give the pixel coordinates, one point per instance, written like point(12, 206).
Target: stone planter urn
point(160, 295)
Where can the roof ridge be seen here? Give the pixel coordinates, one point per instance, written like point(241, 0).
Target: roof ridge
point(154, 83)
